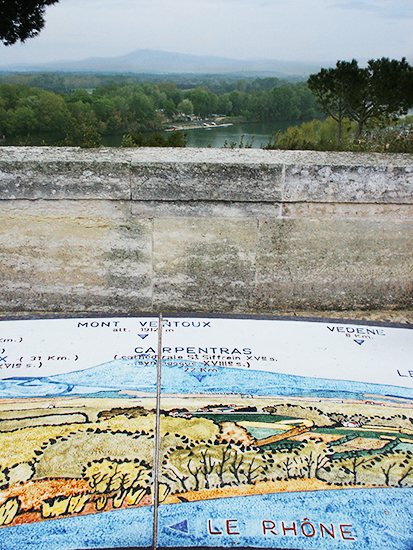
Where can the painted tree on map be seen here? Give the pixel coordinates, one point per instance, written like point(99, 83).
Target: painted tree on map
point(121, 480)
point(204, 466)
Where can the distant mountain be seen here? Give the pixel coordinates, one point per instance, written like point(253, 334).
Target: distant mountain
point(161, 62)
point(178, 379)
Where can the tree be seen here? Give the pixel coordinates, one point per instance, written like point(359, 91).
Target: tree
point(204, 101)
point(169, 108)
point(119, 479)
point(350, 466)
point(315, 456)
point(9, 510)
point(333, 89)
point(185, 106)
point(21, 19)
point(383, 89)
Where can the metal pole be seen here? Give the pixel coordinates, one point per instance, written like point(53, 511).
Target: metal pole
point(157, 436)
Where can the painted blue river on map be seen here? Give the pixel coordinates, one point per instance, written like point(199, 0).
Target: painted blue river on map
point(359, 519)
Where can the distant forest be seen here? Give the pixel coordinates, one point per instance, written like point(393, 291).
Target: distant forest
point(78, 109)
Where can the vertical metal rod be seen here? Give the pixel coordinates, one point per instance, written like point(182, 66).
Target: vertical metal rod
point(157, 436)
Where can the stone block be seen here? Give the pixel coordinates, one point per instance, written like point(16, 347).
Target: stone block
point(52, 174)
point(331, 264)
point(346, 183)
point(203, 264)
point(202, 209)
point(70, 257)
point(170, 181)
point(347, 211)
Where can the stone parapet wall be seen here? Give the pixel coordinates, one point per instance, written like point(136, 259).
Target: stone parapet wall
point(204, 230)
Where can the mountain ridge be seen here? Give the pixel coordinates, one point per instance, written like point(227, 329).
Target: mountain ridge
point(149, 61)
point(177, 378)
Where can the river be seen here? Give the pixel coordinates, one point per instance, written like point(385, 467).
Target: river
point(255, 134)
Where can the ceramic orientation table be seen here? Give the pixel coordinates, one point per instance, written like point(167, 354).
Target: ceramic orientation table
point(248, 432)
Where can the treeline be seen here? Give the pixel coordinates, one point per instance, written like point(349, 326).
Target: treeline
point(120, 108)
point(69, 82)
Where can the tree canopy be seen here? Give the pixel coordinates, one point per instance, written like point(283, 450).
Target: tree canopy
point(21, 19)
point(383, 88)
point(333, 87)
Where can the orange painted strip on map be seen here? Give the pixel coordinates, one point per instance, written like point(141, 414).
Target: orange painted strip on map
point(33, 493)
point(260, 488)
point(279, 437)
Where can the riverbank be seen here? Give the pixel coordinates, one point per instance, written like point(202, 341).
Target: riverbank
point(204, 125)
point(207, 123)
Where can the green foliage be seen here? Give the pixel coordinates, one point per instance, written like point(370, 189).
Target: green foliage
point(21, 19)
point(169, 108)
point(186, 106)
point(393, 139)
point(174, 139)
point(26, 110)
point(384, 90)
point(281, 104)
point(171, 91)
point(123, 106)
point(334, 88)
point(83, 135)
point(240, 144)
point(132, 140)
point(204, 101)
point(314, 135)
point(156, 140)
point(321, 136)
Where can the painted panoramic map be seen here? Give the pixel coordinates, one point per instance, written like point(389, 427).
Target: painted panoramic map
point(263, 432)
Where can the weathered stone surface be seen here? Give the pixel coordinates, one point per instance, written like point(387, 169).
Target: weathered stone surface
point(56, 173)
point(346, 211)
point(361, 184)
point(122, 231)
point(210, 209)
point(242, 175)
point(203, 264)
point(327, 265)
point(66, 256)
point(173, 181)
point(259, 156)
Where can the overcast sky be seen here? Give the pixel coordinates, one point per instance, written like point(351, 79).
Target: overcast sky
point(291, 30)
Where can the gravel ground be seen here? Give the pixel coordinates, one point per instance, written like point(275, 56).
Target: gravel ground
point(388, 316)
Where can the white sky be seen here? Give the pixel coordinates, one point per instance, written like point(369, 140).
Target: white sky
point(287, 30)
